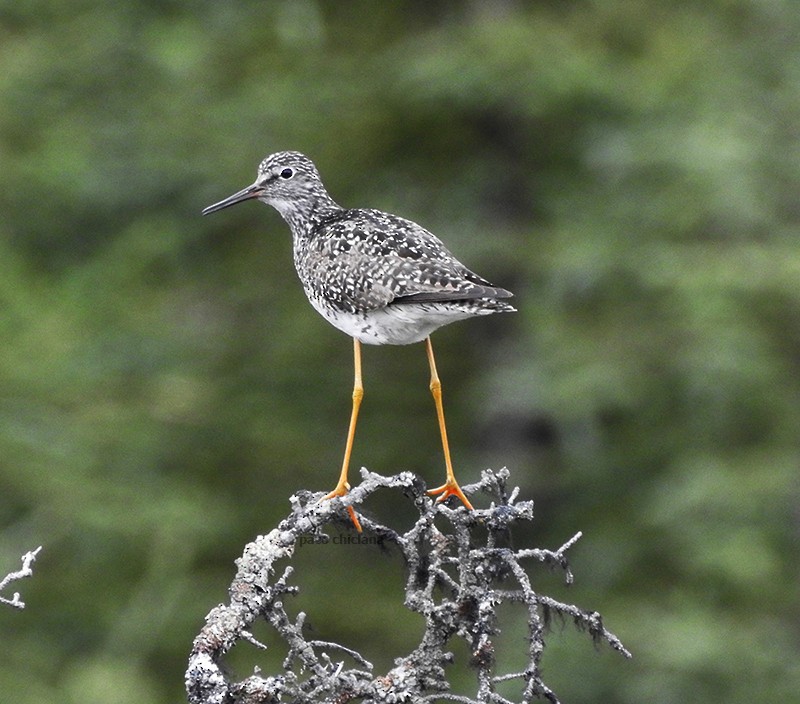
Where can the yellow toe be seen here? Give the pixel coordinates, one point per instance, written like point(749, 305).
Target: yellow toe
point(448, 489)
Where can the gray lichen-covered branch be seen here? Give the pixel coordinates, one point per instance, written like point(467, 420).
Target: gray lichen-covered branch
point(457, 579)
point(26, 571)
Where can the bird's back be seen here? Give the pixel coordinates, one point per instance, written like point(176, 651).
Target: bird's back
point(362, 259)
point(385, 279)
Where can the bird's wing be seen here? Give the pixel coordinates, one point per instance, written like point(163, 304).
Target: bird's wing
point(374, 259)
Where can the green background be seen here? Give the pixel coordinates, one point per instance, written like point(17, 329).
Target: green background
point(628, 168)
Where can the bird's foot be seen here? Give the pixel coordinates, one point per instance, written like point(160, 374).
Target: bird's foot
point(448, 489)
point(340, 490)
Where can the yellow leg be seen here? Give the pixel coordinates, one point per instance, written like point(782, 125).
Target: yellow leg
point(450, 487)
point(358, 393)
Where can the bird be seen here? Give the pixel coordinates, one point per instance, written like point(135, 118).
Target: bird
point(378, 277)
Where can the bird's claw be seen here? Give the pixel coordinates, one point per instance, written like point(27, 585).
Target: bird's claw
point(448, 489)
point(339, 491)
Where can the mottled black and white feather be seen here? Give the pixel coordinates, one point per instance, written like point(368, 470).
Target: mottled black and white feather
point(376, 276)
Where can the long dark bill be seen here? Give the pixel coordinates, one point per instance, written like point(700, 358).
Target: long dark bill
point(245, 194)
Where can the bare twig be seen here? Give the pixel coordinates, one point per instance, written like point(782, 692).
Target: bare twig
point(27, 570)
point(457, 578)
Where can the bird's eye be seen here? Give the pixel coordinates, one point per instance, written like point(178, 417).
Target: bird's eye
point(287, 173)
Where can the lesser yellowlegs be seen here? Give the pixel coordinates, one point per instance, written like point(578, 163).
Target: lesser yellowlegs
point(379, 278)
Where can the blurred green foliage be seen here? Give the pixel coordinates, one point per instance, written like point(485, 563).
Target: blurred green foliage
point(628, 168)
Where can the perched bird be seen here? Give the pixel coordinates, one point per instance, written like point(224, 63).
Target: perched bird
point(379, 278)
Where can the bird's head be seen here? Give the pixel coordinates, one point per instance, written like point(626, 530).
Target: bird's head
point(288, 181)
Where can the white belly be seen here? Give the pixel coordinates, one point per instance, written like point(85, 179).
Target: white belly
point(394, 325)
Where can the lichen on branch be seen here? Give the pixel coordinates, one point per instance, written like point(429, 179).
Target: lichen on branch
point(457, 578)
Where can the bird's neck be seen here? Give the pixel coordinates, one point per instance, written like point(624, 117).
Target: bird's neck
point(303, 217)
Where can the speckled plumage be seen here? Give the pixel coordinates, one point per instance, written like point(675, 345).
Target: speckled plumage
point(377, 277)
